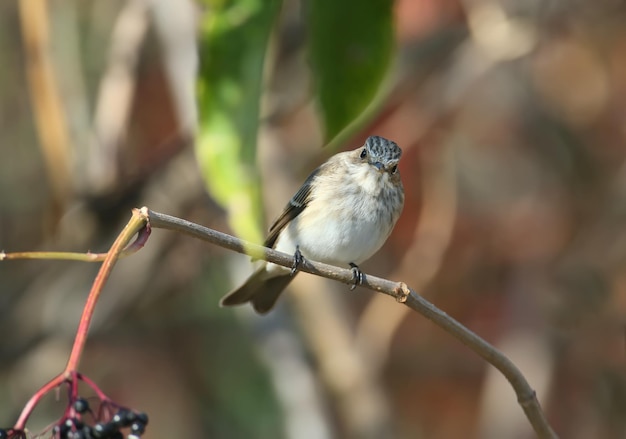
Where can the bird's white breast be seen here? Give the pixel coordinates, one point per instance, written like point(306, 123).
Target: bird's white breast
point(346, 220)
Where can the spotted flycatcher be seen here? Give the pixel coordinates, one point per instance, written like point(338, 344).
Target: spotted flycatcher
point(342, 214)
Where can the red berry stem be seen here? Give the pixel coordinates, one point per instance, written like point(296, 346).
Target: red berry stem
point(99, 393)
point(139, 225)
point(34, 400)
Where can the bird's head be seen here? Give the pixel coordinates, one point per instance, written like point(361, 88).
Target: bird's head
point(381, 153)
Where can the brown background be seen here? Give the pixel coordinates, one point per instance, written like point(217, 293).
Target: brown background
point(511, 116)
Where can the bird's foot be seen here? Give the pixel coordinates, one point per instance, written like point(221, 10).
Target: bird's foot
point(357, 276)
point(298, 259)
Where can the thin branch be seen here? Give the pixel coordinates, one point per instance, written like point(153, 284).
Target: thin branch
point(132, 248)
point(400, 291)
point(163, 221)
point(526, 396)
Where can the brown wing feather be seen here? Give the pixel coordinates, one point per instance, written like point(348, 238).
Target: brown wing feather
point(294, 207)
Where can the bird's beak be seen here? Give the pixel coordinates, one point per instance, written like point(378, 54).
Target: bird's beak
point(379, 166)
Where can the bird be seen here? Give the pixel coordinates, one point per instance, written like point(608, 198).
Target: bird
point(341, 215)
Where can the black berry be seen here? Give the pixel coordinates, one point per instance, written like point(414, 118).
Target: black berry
point(78, 434)
point(81, 405)
point(123, 418)
point(137, 428)
point(143, 418)
point(103, 430)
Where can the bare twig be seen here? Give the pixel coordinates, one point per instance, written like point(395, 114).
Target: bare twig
point(400, 291)
point(132, 248)
point(144, 219)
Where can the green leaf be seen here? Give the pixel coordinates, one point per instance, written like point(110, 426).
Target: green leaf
point(233, 43)
point(351, 44)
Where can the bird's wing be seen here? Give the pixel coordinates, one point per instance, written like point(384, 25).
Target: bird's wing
point(294, 207)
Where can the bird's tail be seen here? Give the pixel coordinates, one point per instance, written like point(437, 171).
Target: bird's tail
point(261, 290)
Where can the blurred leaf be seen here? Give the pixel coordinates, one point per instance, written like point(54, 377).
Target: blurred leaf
point(233, 42)
point(351, 46)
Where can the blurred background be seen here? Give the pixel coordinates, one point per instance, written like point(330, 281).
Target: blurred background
point(512, 120)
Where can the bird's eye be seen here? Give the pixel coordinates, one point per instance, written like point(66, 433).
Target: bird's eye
point(394, 169)
point(363, 153)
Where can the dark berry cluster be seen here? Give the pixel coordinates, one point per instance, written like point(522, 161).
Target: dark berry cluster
point(123, 419)
point(108, 424)
point(11, 433)
point(106, 420)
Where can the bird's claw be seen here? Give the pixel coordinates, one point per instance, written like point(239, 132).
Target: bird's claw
point(357, 276)
point(298, 259)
